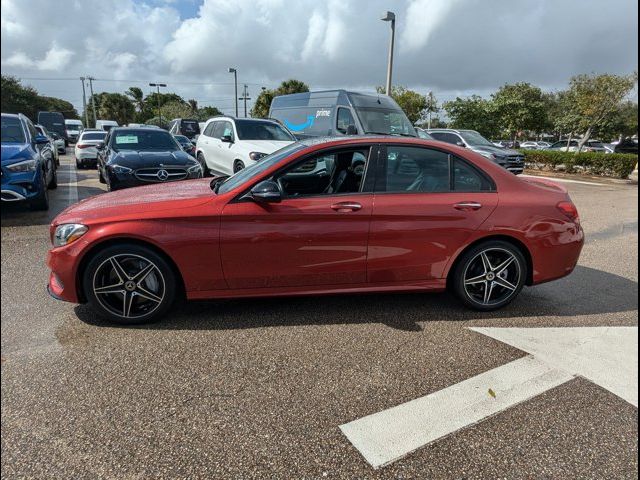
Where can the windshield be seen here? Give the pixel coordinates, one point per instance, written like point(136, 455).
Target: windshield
point(12, 130)
point(94, 136)
point(144, 140)
point(259, 167)
point(256, 130)
point(475, 139)
point(182, 139)
point(385, 121)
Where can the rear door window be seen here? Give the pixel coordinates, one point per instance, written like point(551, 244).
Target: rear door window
point(451, 138)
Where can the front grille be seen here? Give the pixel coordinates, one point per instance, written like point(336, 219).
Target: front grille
point(161, 174)
point(515, 160)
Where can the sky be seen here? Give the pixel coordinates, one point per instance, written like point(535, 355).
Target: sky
point(451, 47)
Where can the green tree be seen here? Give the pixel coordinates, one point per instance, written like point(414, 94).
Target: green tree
point(17, 98)
point(173, 110)
point(263, 101)
point(205, 113)
point(596, 97)
point(411, 102)
point(137, 97)
point(621, 123)
point(155, 101)
point(112, 106)
point(262, 104)
point(473, 113)
point(519, 107)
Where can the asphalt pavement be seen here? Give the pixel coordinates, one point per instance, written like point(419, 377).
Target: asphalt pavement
point(260, 388)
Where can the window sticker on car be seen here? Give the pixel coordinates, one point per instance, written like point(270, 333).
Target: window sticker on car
point(126, 139)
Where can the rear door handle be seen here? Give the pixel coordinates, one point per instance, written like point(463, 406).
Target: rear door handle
point(468, 206)
point(346, 206)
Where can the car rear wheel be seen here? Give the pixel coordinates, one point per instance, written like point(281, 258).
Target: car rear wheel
point(490, 275)
point(53, 184)
point(129, 284)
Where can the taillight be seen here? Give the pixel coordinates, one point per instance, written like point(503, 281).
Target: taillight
point(570, 210)
point(82, 145)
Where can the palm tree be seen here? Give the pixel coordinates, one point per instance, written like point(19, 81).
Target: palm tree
point(137, 96)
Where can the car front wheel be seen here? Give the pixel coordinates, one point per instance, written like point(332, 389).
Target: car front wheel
point(129, 284)
point(203, 164)
point(490, 275)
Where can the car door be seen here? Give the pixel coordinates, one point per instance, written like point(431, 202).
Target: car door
point(226, 154)
point(427, 204)
point(206, 144)
point(317, 235)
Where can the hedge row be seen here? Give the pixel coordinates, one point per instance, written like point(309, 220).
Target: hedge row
point(618, 165)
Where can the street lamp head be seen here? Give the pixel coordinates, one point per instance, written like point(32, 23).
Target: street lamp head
point(232, 70)
point(388, 16)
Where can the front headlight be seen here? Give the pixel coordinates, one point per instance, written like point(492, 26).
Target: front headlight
point(25, 166)
point(120, 169)
point(195, 169)
point(255, 156)
point(68, 233)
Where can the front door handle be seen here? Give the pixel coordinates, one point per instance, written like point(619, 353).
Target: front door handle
point(346, 206)
point(468, 206)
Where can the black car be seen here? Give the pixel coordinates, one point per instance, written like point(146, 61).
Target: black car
point(187, 145)
point(130, 157)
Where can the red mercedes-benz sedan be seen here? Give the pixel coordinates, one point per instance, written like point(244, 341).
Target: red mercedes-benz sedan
point(347, 215)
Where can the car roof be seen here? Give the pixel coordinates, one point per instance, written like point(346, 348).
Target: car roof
point(13, 115)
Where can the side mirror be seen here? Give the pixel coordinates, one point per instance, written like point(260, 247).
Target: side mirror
point(460, 144)
point(226, 139)
point(41, 140)
point(351, 130)
point(99, 146)
point(266, 192)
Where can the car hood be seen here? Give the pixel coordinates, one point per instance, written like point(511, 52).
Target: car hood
point(264, 146)
point(138, 202)
point(498, 151)
point(133, 159)
point(15, 152)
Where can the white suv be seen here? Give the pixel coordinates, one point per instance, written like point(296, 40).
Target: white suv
point(227, 145)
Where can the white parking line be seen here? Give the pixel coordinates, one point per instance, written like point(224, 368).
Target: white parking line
point(608, 356)
point(391, 434)
point(566, 180)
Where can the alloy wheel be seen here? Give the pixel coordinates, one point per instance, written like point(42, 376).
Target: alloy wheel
point(492, 277)
point(129, 286)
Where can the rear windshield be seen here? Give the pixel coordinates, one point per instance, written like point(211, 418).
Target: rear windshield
point(144, 140)
point(94, 136)
point(254, 130)
point(12, 130)
point(190, 126)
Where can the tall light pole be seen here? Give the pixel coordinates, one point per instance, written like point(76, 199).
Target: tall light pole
point(158, 85)
point(235, 81)
point(390, 17)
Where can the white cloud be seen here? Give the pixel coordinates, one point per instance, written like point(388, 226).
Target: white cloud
point(443, 45)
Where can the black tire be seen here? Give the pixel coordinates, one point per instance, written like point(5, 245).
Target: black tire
point(53, 184)
point(42, 202)
point(471, 279)
point(78, 164)
point(237, 166)
point(142, 308)
point(203, 164)
point(100, 176)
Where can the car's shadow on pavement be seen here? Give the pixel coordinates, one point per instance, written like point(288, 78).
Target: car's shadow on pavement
point(586, 292)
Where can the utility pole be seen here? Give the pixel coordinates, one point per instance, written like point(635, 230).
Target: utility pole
point(158, 85)
point(245, 97)
point(84, 104)
point(93, 101)
point(431, 106)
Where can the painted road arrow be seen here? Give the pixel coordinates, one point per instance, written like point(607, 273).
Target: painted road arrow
point(607, 356)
